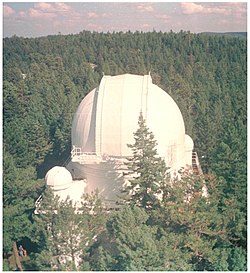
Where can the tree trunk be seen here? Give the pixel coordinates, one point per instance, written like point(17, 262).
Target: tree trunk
point(17, 259)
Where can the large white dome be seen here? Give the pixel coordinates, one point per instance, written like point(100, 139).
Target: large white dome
point(107, 117)
point(105, 122)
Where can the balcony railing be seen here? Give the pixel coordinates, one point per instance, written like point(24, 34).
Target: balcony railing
point(85, 157)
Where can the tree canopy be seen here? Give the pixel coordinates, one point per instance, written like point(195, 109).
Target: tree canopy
point(44, 80)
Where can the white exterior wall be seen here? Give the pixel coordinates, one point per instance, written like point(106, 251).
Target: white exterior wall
point(74, 192)
point(107, 177)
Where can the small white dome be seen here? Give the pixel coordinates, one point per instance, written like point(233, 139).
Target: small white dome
point(58, 178)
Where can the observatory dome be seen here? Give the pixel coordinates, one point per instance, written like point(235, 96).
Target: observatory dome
point(58, 178)
point(107, 117)
point(105, 123)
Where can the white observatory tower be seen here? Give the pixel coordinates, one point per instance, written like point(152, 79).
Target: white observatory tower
point(104, 124)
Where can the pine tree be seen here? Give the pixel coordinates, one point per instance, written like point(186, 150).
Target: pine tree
point(129, 244)
point(148, 170)
point(20, 190)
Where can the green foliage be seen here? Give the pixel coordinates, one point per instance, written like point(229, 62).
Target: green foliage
point(237, 260)
point(65, 231)
point(198, 225)
point(20, 189)
point(44, 79)
point(147, 168)
point(129, 245)
point(101, 260)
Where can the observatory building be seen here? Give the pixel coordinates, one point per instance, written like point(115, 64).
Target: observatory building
point(104, 124)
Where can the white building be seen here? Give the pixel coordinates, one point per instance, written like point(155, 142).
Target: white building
point(104, 124)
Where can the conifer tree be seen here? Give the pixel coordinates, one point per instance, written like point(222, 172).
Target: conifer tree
point(146, 167)
point(129, 244)
point(200, 227)
point(20, 190)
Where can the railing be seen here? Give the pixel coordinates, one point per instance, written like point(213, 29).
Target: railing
point(85, 157)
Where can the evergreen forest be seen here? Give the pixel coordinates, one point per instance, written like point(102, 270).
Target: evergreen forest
point(45, 79)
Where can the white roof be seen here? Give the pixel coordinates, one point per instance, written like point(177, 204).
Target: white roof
point(107, 117)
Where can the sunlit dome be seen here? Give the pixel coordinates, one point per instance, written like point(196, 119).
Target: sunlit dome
point(58, 178)
point(107, 117)
point(105, 122)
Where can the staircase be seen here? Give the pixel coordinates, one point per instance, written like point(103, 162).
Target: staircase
point(195, 164)
point(37, 204)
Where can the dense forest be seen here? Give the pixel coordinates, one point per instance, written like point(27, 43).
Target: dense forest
point(44, 80)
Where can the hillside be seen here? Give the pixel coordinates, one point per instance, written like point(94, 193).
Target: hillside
point(233, 34)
